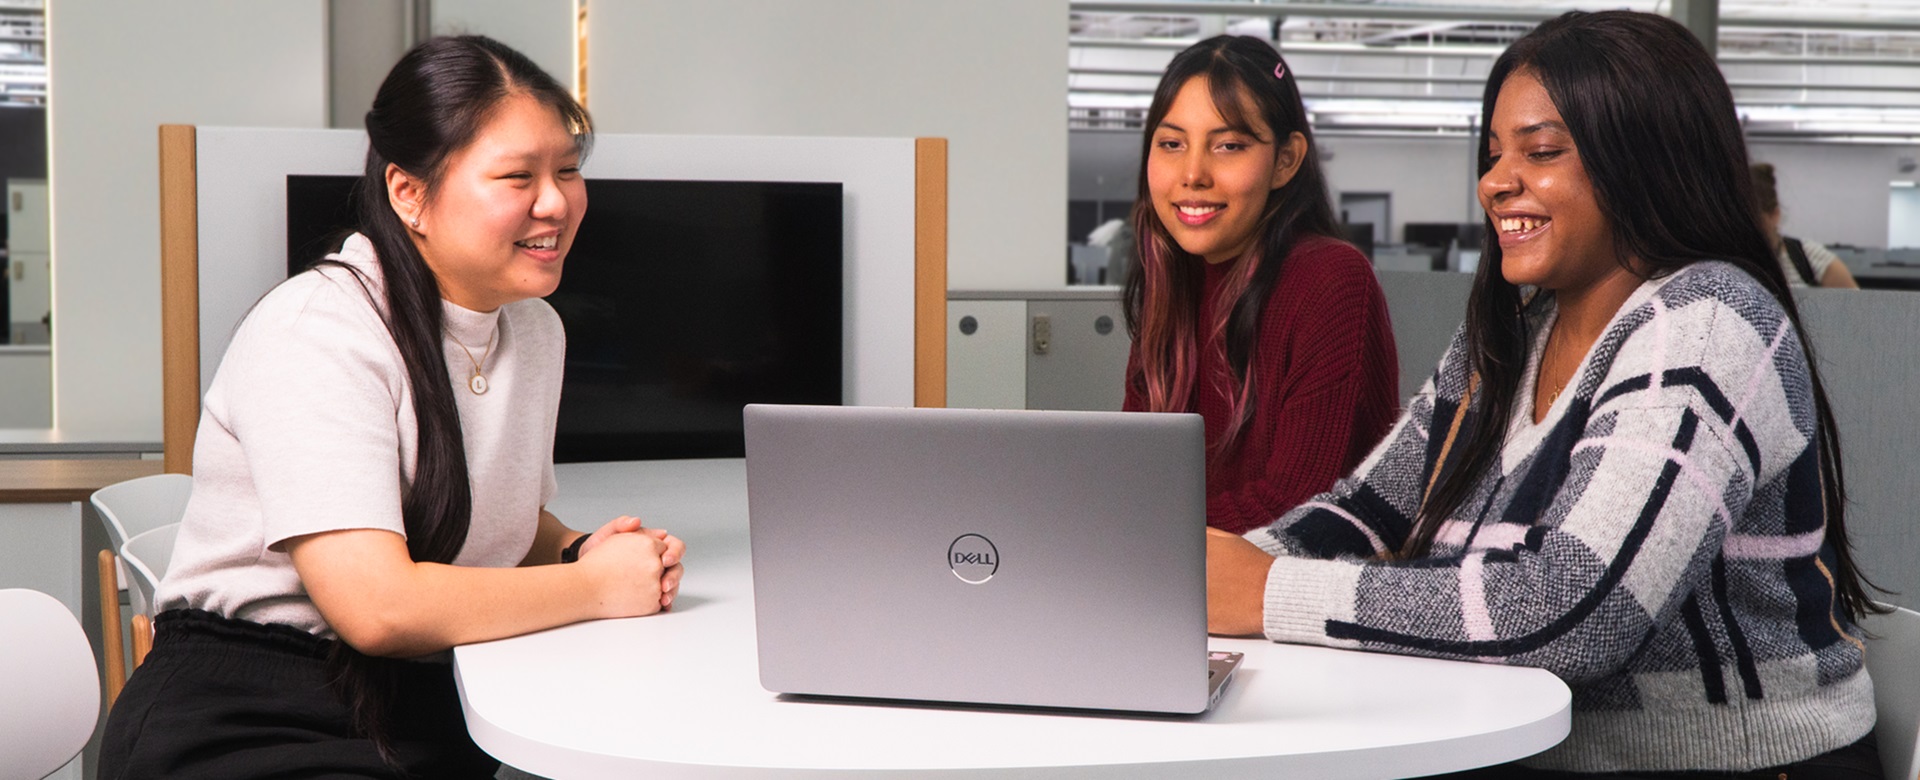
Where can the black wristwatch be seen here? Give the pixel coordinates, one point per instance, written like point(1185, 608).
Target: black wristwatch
point(572, 552)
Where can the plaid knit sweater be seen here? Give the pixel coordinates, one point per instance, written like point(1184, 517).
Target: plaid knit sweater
point(1656, 541)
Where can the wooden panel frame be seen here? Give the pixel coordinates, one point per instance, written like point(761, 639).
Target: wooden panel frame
point(930, 272)
point(179, 295)
point(181, 306)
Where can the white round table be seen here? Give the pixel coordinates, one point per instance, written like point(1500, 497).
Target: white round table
point(678, 694)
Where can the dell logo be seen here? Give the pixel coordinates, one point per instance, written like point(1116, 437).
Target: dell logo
point(973, 559)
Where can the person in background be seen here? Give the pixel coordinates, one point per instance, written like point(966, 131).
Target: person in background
point(1806, 263)
point(1244, 305)
point(1626, 470)
point(375, 456)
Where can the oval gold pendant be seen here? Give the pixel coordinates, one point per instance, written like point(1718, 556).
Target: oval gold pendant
point(478, 384)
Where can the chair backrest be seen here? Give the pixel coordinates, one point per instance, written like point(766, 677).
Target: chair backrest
point(147, 555)
point(51, 688)
point(1893, 659)
point(136, 506)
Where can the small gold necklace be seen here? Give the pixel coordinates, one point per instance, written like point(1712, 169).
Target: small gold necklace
point(478, 382)
point(1550, 355)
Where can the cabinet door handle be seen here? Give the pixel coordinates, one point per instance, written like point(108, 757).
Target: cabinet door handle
point(1042, 333)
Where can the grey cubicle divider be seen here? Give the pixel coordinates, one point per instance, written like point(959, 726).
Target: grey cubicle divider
point(1426, 308)
point(1869, 355)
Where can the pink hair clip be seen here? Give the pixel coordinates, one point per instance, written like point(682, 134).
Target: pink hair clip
point(1280, 70)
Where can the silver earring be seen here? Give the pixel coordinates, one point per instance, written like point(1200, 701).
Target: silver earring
point(416, 222)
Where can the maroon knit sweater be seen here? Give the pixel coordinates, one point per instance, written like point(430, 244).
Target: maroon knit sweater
point(1326, 385)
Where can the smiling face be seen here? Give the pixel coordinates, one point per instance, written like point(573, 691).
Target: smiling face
point(1210, 182)
point(497, 226)
point(1548, 219)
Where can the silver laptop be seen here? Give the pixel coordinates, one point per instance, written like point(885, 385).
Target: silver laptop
point(1024, 558)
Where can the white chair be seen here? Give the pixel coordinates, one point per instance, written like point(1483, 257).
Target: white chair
point(128, 509)
point(52, 698)
point(1893, 659)
point(146, 556)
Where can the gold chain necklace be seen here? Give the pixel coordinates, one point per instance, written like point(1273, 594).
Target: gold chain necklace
point(1562, 384)
point(478, 382)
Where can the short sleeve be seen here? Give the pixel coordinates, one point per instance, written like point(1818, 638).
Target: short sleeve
point(313, 395)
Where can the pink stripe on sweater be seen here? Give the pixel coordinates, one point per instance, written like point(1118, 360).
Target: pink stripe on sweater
point(1659, 347)
point(1692, 474)
point(1755, 547)
point(1502, 536)
point(1474, 617)
point(1759, 370)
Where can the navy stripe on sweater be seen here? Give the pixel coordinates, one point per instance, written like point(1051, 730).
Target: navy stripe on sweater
point(1558, 627)
point(1742, 654)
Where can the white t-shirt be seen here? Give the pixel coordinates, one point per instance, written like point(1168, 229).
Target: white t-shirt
point(309, 427)
point(1819, 257)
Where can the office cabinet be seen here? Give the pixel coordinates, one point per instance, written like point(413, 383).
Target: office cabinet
point(1049, 349)
point(986, 343)
point(1076, 354)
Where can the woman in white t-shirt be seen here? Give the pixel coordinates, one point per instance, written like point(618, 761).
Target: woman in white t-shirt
point(1806, 263)
point(375, 456)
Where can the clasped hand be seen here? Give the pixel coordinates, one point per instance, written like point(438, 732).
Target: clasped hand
point(657, 550)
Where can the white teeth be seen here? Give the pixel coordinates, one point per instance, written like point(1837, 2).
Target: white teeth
point(1520, 224)
point(547, 242)
point(1198, 211)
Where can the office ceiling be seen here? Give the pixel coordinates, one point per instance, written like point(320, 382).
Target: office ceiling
point(1838, 70)
point(23, 53)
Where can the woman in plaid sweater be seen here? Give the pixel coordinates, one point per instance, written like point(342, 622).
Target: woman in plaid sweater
point(1624, 470)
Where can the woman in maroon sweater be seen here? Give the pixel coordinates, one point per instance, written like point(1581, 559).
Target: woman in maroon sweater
point(1244, 307)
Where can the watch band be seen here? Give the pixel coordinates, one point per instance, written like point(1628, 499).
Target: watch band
point(572, 551)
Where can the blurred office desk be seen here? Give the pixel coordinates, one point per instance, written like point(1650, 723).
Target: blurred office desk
point(1887, 276)
point(678, 695)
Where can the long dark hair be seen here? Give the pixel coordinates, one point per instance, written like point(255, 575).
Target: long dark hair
point(1162, 297)
point(1659, 138)
point(432, 104)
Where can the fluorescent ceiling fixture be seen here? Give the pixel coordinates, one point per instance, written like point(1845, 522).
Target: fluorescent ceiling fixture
point(1903, 184)
point(1841, 128)
point(1290, 47)
point(1390, 106)
point(1830, 113)
point(1392, 120)
point(1102, 100)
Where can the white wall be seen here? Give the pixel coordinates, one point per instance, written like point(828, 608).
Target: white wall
point(119, 70)
point(1834, 193)
point(540, 29)
point(989, 75)
point(1431, 179)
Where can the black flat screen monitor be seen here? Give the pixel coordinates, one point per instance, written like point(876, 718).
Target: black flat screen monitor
point(1433, 234)
point(1439, 234)
point(683, 301)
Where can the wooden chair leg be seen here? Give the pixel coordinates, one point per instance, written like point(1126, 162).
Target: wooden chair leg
point(142, 639)
point(110, 636)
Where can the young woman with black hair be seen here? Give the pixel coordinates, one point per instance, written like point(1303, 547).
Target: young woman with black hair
point(1625, 469)
point(1244, 306)
point(375, 455)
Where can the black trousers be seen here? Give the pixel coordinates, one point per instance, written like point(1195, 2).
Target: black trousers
point(220, 698)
